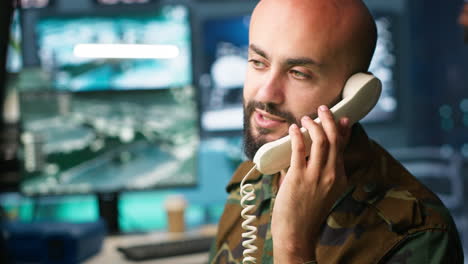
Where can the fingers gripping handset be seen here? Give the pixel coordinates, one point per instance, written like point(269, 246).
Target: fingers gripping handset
point(360, 94)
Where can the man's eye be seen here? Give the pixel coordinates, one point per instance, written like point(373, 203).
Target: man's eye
point(299, 75)
point(257, 64)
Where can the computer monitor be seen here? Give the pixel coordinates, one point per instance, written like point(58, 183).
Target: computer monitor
point(226, 47)
point(225, 42)
point(94, 124)
point(223, 46)
point(116, 52)
point(105, 125)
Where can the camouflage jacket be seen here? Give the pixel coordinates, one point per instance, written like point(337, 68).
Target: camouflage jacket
point(386, 216)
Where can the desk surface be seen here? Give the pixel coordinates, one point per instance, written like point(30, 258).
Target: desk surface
point(110, 254)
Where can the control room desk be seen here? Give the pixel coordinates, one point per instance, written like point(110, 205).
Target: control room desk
point(110, 254)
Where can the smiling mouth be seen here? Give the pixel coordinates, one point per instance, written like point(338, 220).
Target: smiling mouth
point(269, 116)
point(265, 120)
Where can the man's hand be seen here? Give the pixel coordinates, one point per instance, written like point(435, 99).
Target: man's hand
point(310, 187)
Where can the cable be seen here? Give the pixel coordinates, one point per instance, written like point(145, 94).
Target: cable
point(247, 193)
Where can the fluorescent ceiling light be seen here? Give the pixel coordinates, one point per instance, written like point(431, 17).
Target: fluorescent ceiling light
point(126, 51)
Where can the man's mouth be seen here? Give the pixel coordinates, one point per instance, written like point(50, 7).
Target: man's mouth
point(266, 120)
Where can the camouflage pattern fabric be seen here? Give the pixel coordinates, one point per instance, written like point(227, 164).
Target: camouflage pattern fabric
point(386, 215)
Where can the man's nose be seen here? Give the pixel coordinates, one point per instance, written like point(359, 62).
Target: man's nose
point(271, 89)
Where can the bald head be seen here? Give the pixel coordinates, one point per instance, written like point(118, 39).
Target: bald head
point(339, 30)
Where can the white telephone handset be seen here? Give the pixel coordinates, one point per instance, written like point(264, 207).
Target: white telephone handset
point(360, 94)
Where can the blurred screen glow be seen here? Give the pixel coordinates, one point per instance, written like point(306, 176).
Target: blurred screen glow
point(225, 47)
point(120, 116)
point(113, 58)
point(126, 51)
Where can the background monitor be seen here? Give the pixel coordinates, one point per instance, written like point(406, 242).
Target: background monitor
point(94, 125)
point(225, 47)
point(162, 40)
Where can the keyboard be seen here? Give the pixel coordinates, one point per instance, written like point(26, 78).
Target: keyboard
point(169, 248)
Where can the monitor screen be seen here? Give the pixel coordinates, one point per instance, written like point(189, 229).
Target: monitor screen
point(119, 52)
point(120, 137)
point(226, 47)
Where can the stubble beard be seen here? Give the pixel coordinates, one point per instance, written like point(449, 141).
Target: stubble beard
point(253, 142)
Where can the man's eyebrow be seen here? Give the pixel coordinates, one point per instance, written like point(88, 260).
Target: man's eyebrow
point(302, 62)
point(258, 50)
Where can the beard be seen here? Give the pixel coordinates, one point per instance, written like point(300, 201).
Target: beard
point(253, 143)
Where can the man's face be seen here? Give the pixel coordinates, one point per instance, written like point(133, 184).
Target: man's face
point(294, 66)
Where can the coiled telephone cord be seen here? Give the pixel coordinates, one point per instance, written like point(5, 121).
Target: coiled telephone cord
point(247, 192)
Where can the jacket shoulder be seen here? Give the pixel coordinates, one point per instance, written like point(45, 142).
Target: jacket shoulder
point(240, 173)
point(387, 207)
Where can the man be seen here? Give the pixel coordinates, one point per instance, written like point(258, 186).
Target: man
point(350, 201)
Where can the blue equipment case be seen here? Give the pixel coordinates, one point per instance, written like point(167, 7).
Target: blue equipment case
point(52, 242)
